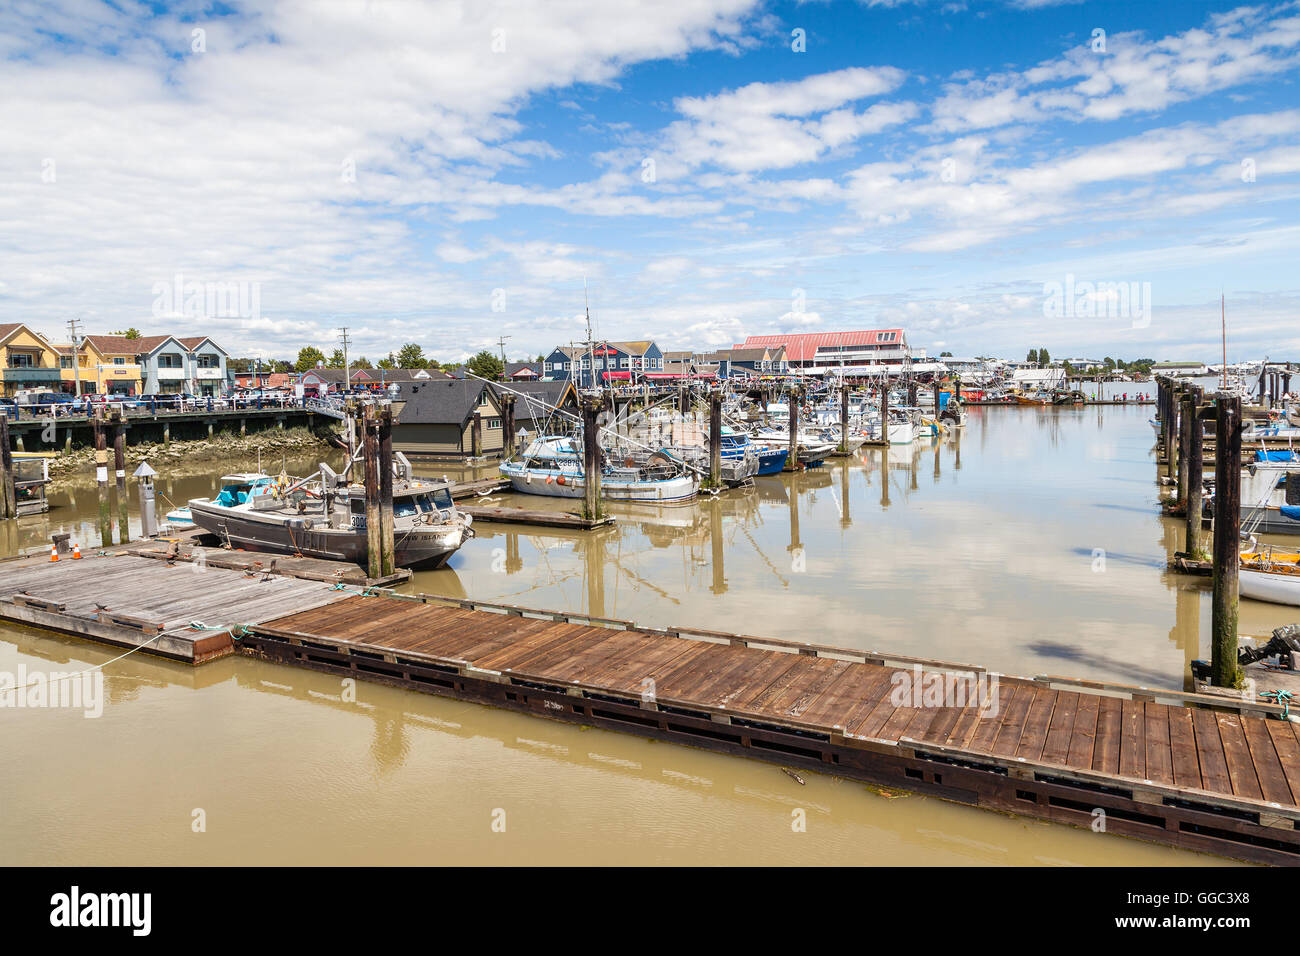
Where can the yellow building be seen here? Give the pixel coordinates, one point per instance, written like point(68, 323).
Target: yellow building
point(112, 360)
point(27, 360)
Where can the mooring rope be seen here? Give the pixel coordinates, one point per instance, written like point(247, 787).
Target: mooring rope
point(1282, 698)
point(88, 670)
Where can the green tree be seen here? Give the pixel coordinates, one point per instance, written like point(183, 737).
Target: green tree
point(308, 358)
point(486, 365)
point(1032, 357)
point(336, 360)
point(941, 355)
point(361, 362)
point(540, 358)
point(411, 355)
point(389, 362)
point(1044, 358)
point(131, 333)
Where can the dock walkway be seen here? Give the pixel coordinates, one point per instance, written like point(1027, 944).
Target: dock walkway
point(1189, 770)
point(135, 601)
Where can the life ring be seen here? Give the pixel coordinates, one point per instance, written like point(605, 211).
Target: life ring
point(560, 480)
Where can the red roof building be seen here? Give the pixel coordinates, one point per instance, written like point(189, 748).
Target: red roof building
point(830, 349)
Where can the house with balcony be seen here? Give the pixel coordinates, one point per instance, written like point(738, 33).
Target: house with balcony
point(604, 363)
point(171, 365)
point(27, 360)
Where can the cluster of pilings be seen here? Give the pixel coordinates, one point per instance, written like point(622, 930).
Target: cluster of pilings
point(1274, 383)
point(1183, 414)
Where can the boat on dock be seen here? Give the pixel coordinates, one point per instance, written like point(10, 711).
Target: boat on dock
point(1269, 573)
point(325, 517)
point(1270, 493)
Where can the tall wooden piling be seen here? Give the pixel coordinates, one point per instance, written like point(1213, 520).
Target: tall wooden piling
point(591, 408)
point(119, 469)
point(792, 402)
point(507, 425)
point(715, 438)
point(844, 418)
point(374, 521)
point(1183, 445)
point(101, 479)
point(936, 399)
point(1224, 669)
point(476, 435)
point(387, 536)
point(1194, 458)
point(8, 493)
point(884, 409)
point(1175, 431)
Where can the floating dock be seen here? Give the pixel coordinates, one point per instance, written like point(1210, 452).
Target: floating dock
point(545, 519)
point(1194, 771)
point(179, 611)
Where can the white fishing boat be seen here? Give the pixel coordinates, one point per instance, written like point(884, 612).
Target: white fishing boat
point(1270, 493)
point(552, 465)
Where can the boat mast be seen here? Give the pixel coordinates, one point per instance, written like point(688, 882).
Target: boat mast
point(1223, 319)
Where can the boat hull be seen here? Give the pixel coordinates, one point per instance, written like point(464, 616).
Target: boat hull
point(1268, 586)
point(417, 547)
point(558, 484)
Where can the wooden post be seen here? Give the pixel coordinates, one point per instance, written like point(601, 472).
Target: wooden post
point(1175, 430)
point(911, 394)
point(101, 479)
point(387, 538)
point(844, 417)
point(507, 425)
point(1183, 444)
point(591, 408)
point(936, 399)
point(8, 493)
point(884, 409)
point(476, 435)
point(1194, 458)
point(715, 439)
point(374, 521)
point(1224, 669)
point(792, 402)
point(119, 467)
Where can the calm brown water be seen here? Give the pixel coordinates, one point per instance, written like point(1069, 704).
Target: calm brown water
point(1031, 543)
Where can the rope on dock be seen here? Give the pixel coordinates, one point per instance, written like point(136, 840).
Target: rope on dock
point(1282, 698)
point(243, 629)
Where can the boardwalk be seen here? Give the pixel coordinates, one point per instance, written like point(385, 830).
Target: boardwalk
point(135, 601)
point(1176, 768)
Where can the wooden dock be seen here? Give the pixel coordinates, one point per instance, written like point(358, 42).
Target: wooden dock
point(1195, 771)
point(481, 487)
point(134, 601)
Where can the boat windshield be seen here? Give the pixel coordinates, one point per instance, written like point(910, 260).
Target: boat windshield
point(442, 499)
point(404, 507)
point(234, 494)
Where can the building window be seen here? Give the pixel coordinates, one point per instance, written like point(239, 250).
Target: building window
point(65, 361)
point(22, 360)
point(169, 360)
point(494, 423)
point(209, 361)
point(119, 359)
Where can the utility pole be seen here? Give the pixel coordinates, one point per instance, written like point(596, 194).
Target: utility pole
point(502, 342)
point(347, 365)
point(74, 327)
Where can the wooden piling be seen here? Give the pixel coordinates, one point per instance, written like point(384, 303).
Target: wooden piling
point(591, 408)
point(1186, 411)
point(374, 521)
point(884, 409)
point(844, 418)
point(476, 435)
point(8, 493)
point(1224, 669)
point(715, 438)
point(507, 425)
point(792, 402)
point(1175, 432)
point(119, 468)
point(1195, 463)
point(101, 479)
point(387, 535)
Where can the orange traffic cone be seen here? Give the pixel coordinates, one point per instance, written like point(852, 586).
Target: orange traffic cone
point(54, 552)
point(76, 552)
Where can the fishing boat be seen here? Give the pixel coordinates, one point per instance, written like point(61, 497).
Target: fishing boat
point(1039, 397)
point(552, 465)
point(1269, 573)
point(180, 519)
point(324, 516)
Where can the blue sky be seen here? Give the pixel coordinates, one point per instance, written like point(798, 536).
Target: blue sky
point(449, 173)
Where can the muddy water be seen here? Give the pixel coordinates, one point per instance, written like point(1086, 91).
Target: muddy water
point(1030, 543)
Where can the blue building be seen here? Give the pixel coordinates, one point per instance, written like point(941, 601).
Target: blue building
point(605, 363)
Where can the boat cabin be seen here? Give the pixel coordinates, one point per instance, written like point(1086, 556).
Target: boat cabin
point(239, 488)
